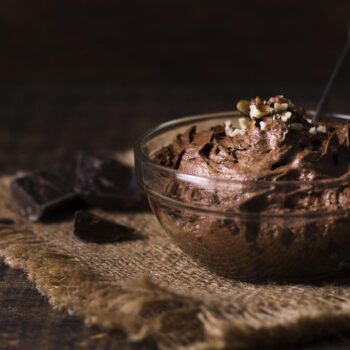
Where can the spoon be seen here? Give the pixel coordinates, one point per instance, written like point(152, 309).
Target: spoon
point(326, 93)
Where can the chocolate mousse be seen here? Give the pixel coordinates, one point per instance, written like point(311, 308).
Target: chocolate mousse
point(276, 160)
point(273, 141)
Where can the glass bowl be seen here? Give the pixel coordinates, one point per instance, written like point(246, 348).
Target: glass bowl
point(203, 217)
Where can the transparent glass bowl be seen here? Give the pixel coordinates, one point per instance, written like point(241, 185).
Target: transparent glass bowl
point(203, 217)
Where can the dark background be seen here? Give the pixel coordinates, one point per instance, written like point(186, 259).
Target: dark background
point(184, 41)
point(96, 74)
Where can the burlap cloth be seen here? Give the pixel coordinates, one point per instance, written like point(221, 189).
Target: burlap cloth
point(149, 288)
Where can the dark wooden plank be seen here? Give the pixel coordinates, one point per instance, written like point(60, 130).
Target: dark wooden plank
point(27, 321)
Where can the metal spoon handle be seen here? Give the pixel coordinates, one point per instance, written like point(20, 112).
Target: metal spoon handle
point(336, 70)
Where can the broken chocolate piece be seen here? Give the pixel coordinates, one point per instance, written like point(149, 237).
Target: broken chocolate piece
point(92, 228)
point(42, 193)
point(105, 182)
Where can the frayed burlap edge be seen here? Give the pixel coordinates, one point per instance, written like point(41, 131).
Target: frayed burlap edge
point(145, 310)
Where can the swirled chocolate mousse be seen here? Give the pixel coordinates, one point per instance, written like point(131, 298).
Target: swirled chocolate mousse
point(289, 174)
point(274, 141)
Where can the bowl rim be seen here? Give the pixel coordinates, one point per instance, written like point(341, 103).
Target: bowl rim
point(162, 127)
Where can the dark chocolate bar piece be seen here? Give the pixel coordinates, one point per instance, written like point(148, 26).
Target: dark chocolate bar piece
point(92, 228)
point(45, 192)
point(105, 182)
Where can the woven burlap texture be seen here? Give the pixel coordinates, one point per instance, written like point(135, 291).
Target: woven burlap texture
point(149, 288)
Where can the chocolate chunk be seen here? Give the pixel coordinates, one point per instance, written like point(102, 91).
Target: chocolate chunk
point(218, 132)
point(205, 150)
point(183, 140)
point(43, 193)
point(105, 182)
point(92, 228)
point(189, 133)
point(165, 156)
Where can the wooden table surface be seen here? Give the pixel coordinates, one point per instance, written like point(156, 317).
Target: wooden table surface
point(39, 124)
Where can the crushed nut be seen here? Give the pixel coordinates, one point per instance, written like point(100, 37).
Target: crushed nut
point(263, 125)
point(228, 128)
point(257, 112)
point(286, 116)
point(239, 132)
point(258, 101)
point(230, 131)
point(280, 107)
point(254, 112)
point(280, 99)
point(276, 107)
point(243, 123)
point(243, 107)
point(313, 130)
point(322, 129)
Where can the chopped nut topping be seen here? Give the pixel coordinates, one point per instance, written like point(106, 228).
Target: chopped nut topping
point(280, 99)
point(239, 132)
point(322, 129)
point(243, 107)
point(313, 130)
point(286, 116)
point(280, 107)
point(230, 131)
point(257, 112)
point(263, 125)
point(277, 108)
point(254, 112)
point(243, 123)
point(228, 128)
